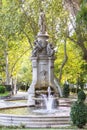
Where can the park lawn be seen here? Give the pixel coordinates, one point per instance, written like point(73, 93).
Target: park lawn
point(31, 128)
point(4, 94)
point(62, 128)
point(40, 129)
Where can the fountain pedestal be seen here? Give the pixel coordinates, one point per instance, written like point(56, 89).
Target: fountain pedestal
point(43, 68)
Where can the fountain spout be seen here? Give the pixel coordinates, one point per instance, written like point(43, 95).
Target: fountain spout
point(48, 100)
point(49, 91)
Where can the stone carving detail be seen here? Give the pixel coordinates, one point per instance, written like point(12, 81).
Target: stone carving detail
point(42, 22)
point(37, 48)
point(50, 50)
point(43, 77)
point(43, 47)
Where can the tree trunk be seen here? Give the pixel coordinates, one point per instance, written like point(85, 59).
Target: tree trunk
point(7, 65)
point(64, 61)
point(72, 6)
point(14, 86)
point(80, 42)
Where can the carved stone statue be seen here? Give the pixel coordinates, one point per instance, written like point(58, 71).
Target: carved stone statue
point(42, 22)
point(37, 48)
point(50, 49)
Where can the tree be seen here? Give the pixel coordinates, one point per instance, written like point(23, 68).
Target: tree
point(8, 30)
point(19, 28)
point(20, 21)
point(78, 20)
point(11, 35)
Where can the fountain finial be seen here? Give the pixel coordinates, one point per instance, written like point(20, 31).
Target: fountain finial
point(42, 22)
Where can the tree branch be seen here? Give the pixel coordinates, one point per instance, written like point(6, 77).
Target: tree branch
point(64, 61)
point(29, 41)
point(18, 60)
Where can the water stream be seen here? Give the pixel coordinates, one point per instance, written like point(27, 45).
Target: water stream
point(48, 101)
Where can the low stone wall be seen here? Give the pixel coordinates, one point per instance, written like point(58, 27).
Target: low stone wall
point(33, 121)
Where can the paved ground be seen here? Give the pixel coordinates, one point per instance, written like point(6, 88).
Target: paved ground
point(4, 103)
point(20, 94)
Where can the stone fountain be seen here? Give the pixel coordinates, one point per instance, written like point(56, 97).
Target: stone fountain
point(42, 65)
point(42, 92)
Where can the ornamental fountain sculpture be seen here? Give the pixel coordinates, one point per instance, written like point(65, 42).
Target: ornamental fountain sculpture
point(42, 93)
point(42, 65)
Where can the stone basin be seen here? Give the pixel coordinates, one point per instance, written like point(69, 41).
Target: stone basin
point(33, 119)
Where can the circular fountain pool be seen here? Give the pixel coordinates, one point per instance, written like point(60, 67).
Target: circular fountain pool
point(61, 111)
point(33, 117)
point(15, 113)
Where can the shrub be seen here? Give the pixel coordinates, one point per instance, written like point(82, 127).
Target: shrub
point(78, 90)
point(78, 112)
point(81, 95)
point(2, 89)
point(73, 90)
point(8, 88)
point(66, 90)
point(23, 87)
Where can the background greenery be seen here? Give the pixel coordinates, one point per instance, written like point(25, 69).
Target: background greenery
point(19, 28)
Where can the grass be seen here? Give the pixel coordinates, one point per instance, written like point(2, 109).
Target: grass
point(4, 94)
point(60, 128)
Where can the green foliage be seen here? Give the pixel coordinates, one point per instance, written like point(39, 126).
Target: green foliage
point(24, 76)
point(75, 62)
point(81, 28)
point(5, 94)
point(2, 57)
point(22, 125)
point(82, 15)
point(2, 89)
point(74, 90)
point(78, 114)
point(19, 26)
point(8, 87)
point(22, 86)
point(82, 76)
point(9, 19)
point(81, 96)
point(66, 90)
